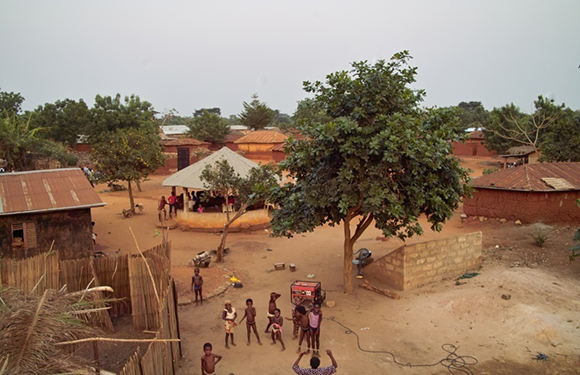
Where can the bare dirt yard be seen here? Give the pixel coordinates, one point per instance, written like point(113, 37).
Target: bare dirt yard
point(542, 314)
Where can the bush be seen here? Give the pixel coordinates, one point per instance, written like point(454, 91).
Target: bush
point(489, 171)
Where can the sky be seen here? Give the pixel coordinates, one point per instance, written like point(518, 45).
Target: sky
point(186, 55)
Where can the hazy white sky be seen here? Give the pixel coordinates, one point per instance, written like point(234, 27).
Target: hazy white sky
point(193, 54)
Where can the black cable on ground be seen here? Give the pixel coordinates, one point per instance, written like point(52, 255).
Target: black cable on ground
point(455, 364)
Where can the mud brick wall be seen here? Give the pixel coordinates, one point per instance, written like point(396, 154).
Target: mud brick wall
point(420, 264)
point(528, 207)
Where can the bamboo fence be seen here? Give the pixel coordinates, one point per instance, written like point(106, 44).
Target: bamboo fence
point(36, 273)
point(160, 357)
point(142, 283)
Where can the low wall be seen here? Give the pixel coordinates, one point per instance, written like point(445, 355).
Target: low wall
point(412, 266)
point(528, 207)
point(215, 221)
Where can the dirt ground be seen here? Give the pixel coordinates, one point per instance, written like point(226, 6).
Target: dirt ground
point(503, 335)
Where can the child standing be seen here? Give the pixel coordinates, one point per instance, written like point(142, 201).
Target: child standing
point(294, 319)
point(209, 360)
point(229, 316)
point(271, 308)
point(304, 325)
point(315, 321)
point(250, 313)
point(162, 211)
point(196, 285)
point(277, 329)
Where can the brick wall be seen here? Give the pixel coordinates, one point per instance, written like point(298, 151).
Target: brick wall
point(420, 264)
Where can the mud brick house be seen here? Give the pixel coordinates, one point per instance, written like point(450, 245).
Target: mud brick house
point(545, 192)
point(180, 153)
point(39, 207)
point(259, 144)
point(473, 146)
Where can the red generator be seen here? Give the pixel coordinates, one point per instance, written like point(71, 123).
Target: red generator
point(308, 291)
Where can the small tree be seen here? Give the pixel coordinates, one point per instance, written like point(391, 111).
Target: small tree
point(247, 191)
point(128, 155)
point(208, 126)
point(10, 103)
point(380, 159)
point(256, 115)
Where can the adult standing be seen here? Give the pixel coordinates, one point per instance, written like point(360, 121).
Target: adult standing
point(315, 368)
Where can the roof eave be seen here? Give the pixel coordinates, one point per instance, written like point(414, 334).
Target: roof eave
point(53, 209)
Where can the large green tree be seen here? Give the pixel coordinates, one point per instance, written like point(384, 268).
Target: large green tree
point(381, 159)
point(10, 103)
point(114, 122)
point(128, 154)
point(64, 121)
point(113, 113)
point(256, 114)
point(562, 140)
point(249, 190)
point(310, 111)
point(208, 126)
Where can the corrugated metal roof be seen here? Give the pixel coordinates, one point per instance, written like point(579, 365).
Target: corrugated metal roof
point(529, 177)
point(184, 142)
point(263, 136)
point(235, 135)
point(46, 190)
point(175, 129)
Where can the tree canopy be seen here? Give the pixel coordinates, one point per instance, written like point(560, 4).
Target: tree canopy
point(111, 113)
point(209, 126)
point(510, 127)
point(22, 144)
point(64, 120)
point(472, 115)
point(380, 158)
point(128, 154)
point(125, 139)
point(256, 114)
point(10, 103)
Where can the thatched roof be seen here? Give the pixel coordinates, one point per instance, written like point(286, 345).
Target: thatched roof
point(31, 326)
point(519, 151)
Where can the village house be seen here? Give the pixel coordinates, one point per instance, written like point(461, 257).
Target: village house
point(38, 208)
point(531, 193)
point(180, 153)
point(473, 146)
point(259, 144)
point(520, 155)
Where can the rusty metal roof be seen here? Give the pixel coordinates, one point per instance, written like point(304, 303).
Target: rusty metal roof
point(46, 190)
point(184, 142)
point(533, 177)
point(263, 136)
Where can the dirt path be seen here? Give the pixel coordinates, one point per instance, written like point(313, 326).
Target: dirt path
point(542, 314)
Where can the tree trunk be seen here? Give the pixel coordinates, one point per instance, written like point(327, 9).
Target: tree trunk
point(138, 183)
point(221, 247)
point(131, 196)
point(348, 244)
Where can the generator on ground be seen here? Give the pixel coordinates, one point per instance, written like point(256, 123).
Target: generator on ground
point(308, 291)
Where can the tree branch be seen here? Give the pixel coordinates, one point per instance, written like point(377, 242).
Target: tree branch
point(362, 226)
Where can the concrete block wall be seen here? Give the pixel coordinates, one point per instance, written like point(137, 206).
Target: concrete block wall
point(420, 264)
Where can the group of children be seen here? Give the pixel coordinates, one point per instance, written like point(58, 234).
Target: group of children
point(306, 322)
